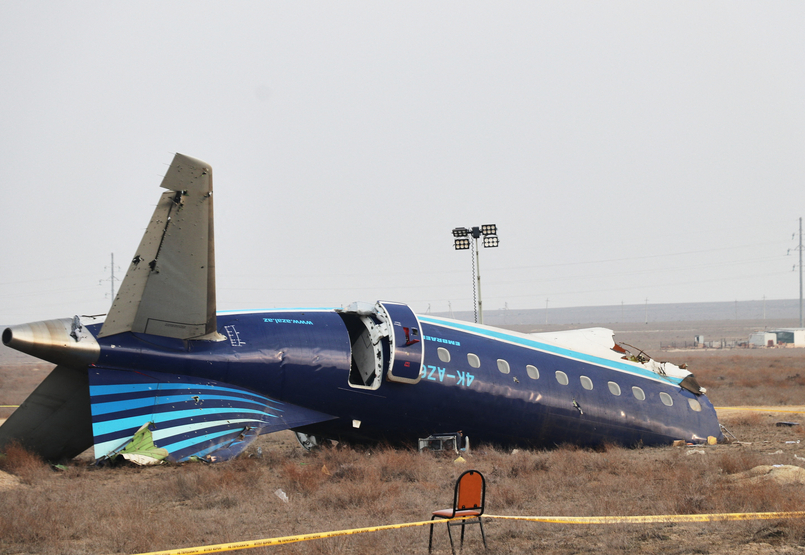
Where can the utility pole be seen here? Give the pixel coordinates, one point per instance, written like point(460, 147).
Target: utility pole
point(799, 248)
point(546, 312)
point(112, 280)
point(646, 310)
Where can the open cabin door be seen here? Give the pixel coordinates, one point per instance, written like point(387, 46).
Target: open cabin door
point(407, 347)
point(385, 339)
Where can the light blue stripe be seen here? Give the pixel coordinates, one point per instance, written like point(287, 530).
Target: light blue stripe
point(212, 448)
point(560, 351)
point(103, 449)
point(102, 428)
point(205, 452)
point(95, 390)
point(178, 446)
point(129, 404)
point(161, 434)
point(119, 406)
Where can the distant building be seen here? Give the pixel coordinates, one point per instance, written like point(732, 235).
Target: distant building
point(791, 336)
point(786, 337)
point(763, 339)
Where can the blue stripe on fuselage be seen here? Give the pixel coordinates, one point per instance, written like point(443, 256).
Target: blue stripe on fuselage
point(160, 418)
point(547, 348)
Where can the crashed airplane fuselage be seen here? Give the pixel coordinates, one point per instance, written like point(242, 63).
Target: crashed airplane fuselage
point(166, 376)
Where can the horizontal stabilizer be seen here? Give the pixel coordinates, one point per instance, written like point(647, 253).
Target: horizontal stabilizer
point(186, 416)
point(54, 421)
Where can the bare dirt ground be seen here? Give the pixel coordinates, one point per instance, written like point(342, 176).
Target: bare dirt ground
point(85, 509)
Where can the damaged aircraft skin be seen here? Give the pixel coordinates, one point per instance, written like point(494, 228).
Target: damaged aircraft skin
point(167, 377)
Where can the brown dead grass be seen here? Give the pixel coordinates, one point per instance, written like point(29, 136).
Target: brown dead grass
point(132, 510)
point(748, 376)
point(26, 466)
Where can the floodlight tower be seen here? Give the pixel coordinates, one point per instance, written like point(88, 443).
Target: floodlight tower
point(799, 248)
point(462, 242)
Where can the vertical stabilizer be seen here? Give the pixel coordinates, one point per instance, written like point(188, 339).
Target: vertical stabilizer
point(169, 288)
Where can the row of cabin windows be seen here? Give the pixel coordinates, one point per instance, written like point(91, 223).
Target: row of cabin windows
point(561, 377)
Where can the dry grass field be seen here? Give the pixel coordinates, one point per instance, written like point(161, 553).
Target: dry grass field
point(125, 509)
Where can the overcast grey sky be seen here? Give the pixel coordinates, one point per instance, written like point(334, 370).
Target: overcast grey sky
point(626, 150)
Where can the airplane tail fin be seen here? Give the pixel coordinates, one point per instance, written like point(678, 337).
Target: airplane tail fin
point(169, 288)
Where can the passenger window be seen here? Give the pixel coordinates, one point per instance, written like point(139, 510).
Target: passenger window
point(561, 377)
point(666, 399)
point(586, 382)
point(638, 393)
point(614, 388)
point(695, 405)
point(473, 360)
point(532, 371)
point(444, 354)
point(503, 366)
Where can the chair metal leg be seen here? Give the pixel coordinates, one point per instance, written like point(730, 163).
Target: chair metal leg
point(463, 523)
point(480, 523)
point(450, 535)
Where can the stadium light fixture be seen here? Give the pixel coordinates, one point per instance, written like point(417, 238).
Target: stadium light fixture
point(462, 242)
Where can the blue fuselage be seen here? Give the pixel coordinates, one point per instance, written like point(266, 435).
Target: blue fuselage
point(304, 357)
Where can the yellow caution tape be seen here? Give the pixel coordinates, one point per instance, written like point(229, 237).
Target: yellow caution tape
point(291, 539)
point(655, 519)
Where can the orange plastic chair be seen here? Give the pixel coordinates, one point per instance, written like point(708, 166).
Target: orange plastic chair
point(468, 501)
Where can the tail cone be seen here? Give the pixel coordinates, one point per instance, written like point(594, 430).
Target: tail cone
point(64, 341)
